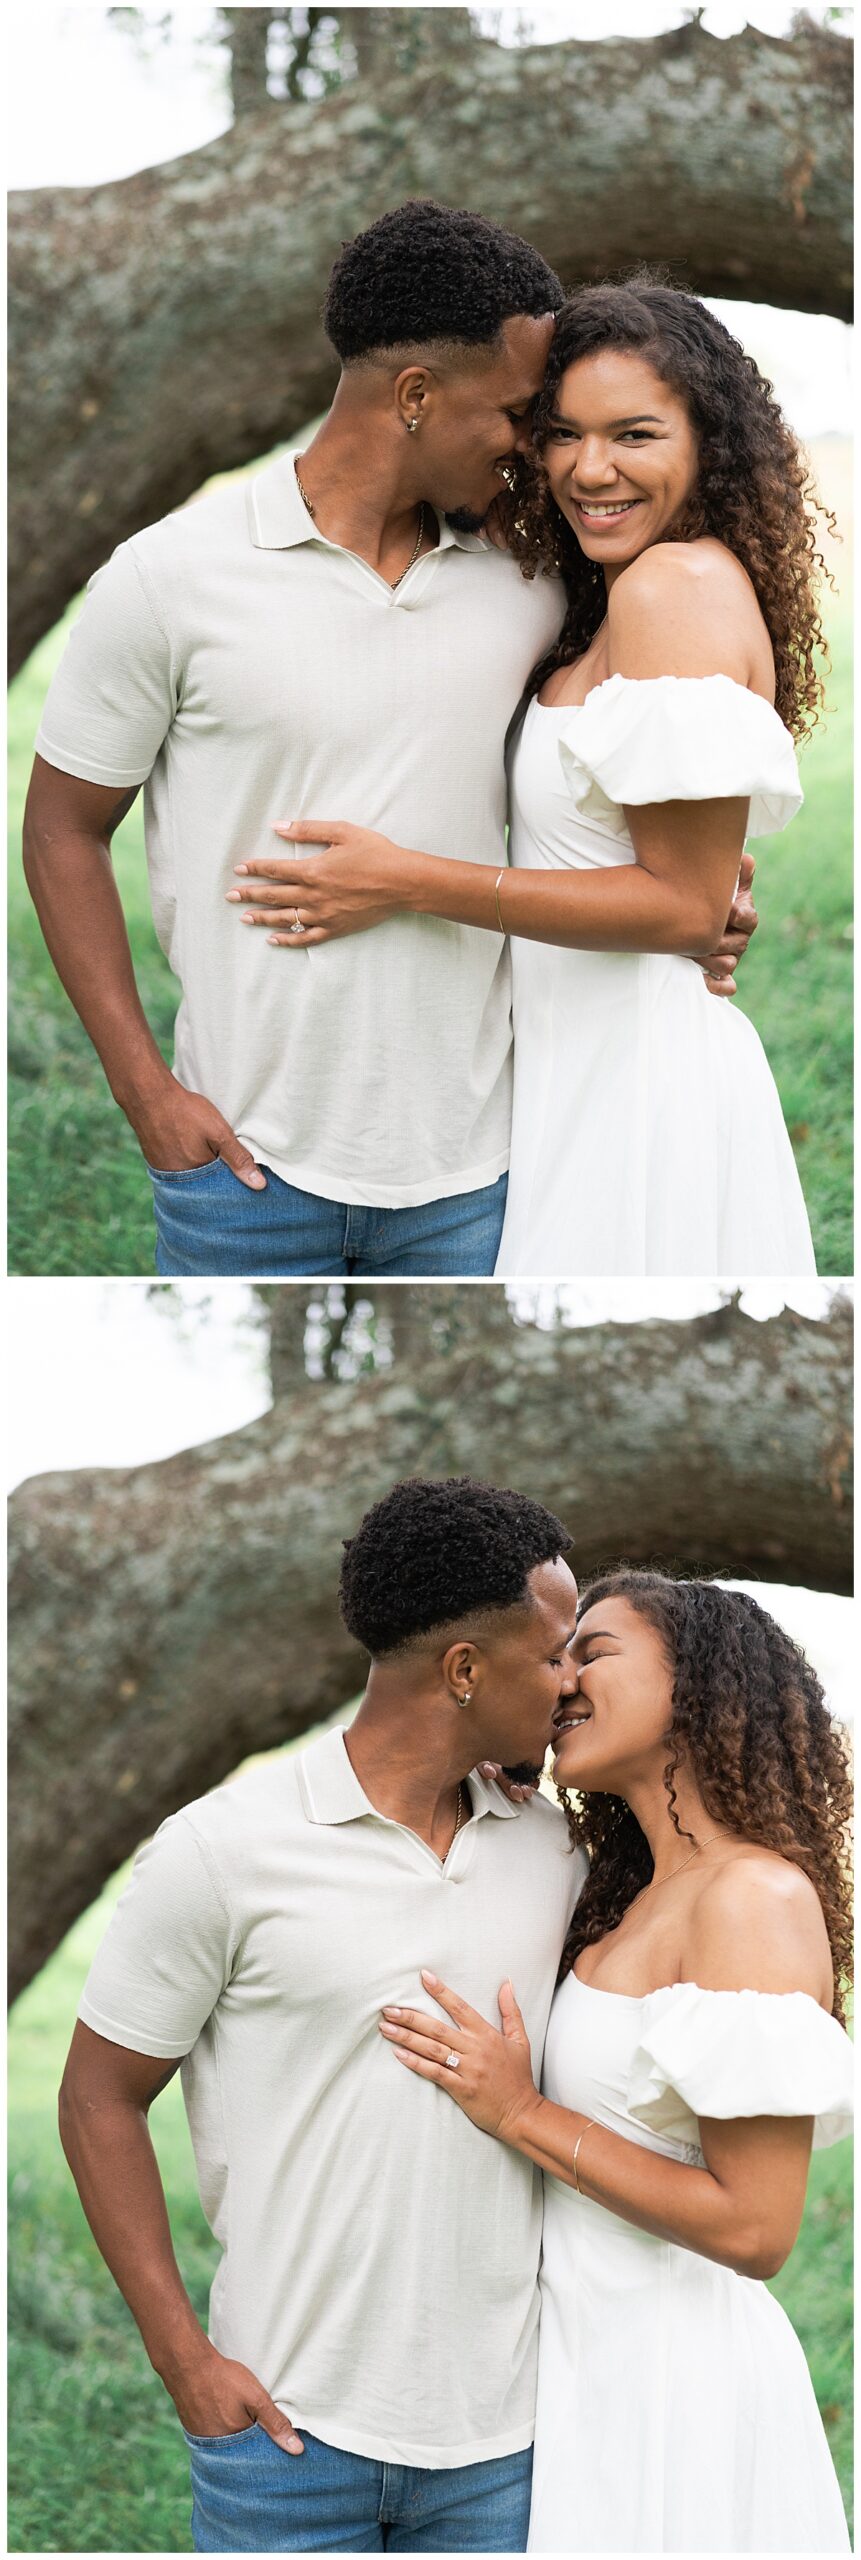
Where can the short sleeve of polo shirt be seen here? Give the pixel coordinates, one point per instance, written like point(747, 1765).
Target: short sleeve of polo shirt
point(168, 1951)
point(115, 691)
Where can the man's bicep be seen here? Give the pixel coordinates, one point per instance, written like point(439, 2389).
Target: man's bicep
point(98, 2070)
point(59, 803)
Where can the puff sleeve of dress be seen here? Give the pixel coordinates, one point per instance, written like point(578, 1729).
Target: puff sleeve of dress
point(632, 743)
point(742, 2053)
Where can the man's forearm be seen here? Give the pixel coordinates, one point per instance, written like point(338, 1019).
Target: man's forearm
point(78, 904)
point(110, 2153)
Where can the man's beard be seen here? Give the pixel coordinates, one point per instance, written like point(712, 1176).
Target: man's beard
point(525, 1773)
point(464, 520)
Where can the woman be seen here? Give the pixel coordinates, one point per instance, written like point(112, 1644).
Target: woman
point(658, 733)
point(695, 2048)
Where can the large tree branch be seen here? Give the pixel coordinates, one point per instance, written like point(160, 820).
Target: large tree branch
point(168, 1620)
point(168, 327)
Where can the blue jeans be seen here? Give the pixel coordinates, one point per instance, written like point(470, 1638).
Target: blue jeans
point(249, 2496)
point(209, 1225)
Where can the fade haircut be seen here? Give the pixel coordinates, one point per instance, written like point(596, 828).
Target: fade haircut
point(432, 1553)
point(424, 276)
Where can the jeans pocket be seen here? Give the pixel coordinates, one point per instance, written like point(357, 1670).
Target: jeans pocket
point(184, 1172)
point(238, 2435)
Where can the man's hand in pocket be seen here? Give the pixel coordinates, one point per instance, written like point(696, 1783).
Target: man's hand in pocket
point(222, 2398)
point(179, 1131)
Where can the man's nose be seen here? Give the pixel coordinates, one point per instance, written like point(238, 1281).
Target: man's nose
point(522, 436)
point(570, 1681)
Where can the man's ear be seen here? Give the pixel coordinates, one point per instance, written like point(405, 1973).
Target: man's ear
point(458, 1670)
point(411, 390)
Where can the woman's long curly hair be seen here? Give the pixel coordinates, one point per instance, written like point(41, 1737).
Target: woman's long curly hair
point(753, 493)
point(749, 1721)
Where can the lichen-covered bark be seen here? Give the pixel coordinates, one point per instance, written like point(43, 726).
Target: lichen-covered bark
point(168, 327)
point(168, 1620)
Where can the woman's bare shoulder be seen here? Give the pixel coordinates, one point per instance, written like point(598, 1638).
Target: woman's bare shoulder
point(757, 1924)
point(687, 609)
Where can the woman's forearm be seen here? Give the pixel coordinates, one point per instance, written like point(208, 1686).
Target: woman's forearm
point(673, 2199)
point(623, 908)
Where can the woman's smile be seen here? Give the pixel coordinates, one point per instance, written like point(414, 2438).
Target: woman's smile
point(612, 511)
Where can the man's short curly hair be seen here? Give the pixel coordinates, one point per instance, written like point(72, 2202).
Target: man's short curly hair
point(431, 1553)
point(424, 273)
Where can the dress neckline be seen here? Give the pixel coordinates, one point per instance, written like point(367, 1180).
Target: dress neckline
point(636, 1999)
point(636, 1996)
point(641, 682)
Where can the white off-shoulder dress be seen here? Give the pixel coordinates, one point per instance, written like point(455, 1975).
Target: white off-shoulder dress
point(675, 2408)
point(647, 1133)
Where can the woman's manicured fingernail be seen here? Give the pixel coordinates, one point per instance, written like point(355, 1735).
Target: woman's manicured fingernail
point(233, 896)
point(391, 2013)
point(243, 868)
point(432, 1978)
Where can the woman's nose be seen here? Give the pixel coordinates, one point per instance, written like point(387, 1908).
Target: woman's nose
point(593, 466)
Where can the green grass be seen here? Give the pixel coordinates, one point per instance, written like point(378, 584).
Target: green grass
point(78, 1197)
point(796, 982)
point(96, 2459)
point(78, 1194)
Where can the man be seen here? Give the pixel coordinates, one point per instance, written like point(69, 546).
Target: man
point(338, 635)
point(369, 2378)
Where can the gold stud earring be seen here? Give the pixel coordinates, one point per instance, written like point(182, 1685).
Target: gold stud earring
point(411, 425)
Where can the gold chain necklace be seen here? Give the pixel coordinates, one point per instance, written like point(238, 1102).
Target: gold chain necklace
point(394, 582)
point(651, 1887)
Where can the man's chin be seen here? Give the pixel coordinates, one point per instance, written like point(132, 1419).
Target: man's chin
point(465, 520)
point(525, 1773)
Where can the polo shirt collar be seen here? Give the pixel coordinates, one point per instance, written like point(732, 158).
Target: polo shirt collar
point(279, 521)
point(331, 1792)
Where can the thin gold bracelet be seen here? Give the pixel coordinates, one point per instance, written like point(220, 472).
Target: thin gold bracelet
point(588, 2128)
point(499, 876)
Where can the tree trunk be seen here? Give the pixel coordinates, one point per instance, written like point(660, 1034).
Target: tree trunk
point(168, 1620)
point(247, 37)
point(167, 327)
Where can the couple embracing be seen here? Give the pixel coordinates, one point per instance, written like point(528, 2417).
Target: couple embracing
point(418, 2005)
point(408, 1043)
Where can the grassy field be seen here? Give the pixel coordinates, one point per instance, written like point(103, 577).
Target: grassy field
point(79, 1200)
point(96, 2459)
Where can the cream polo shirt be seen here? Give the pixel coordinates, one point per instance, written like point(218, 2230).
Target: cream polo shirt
point(379, 2268)
point(246, 671)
